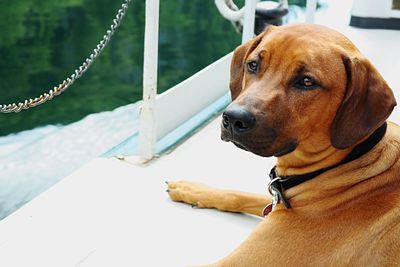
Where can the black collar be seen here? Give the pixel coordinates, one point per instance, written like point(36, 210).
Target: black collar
point(279, 184)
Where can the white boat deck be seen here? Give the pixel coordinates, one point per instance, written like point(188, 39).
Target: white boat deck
point(114, 213)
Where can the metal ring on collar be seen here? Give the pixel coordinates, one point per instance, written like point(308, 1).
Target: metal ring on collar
point(270, 185)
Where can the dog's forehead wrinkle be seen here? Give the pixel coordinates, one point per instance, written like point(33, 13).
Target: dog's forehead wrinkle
point(300, 48)
point(323, 70)
point(261, 53)
point(300, 68)
point(298, 61)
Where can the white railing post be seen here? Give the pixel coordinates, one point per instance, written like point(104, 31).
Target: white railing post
point(311, 7)
point(248, 24)
point(147, 128)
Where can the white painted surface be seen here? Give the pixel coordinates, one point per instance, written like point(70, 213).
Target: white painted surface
point(147, 127)
point(372, 8)
point(111, 213)
point(228, 13)
point(181, 102)
point(395, 13)
point(310, 11)
point(248, 24)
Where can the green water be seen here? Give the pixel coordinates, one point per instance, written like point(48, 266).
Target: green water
point(42, 42)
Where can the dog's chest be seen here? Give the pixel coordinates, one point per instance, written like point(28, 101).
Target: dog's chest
point(335, 240)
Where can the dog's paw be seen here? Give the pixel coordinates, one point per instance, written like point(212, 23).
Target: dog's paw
point(195, 194)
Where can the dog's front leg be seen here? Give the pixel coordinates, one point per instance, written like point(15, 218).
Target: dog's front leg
point(203, 196)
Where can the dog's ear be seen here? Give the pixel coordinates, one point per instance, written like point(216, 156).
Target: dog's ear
point(367, 103)
point(237, 64)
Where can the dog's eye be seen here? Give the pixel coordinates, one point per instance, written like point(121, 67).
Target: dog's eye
point(252, 66)
point(306, 83)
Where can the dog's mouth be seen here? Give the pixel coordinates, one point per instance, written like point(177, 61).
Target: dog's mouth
point(260, 148)
point(286, 149)
point(264, 146)
point(239, 145)
point(256, 146)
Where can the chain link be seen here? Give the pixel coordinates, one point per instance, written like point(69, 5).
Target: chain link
point(77, 73)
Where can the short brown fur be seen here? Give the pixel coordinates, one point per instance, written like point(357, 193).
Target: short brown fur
point(347, 216)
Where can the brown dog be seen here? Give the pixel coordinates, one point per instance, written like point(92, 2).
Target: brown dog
point(305, 94)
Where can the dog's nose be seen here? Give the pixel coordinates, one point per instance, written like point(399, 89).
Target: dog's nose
point(237, 118)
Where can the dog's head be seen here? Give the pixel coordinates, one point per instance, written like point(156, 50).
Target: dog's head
point(302, 86)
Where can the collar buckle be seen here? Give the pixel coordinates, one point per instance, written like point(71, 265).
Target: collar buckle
point(273, 192)
point(275, 196)
point(275, 188)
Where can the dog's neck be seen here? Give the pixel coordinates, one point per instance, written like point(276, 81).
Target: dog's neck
point(281, 182)
point(304, 160)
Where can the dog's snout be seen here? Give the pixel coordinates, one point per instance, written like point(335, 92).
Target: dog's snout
point(238, 119)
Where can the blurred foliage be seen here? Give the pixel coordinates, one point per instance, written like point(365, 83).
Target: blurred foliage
point(43, 41)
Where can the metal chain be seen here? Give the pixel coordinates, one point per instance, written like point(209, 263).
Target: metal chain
point(77, 73)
